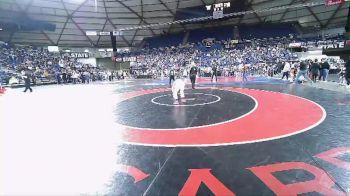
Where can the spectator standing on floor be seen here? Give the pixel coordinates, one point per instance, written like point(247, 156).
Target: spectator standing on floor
point(293, 71)
point(270, 71)
point(32, 74)
point(315, 67)
point(124, 75)
point(82, 76)
point(27, 81)
point(118, 76)
point(109, 75)
point(347, 73)
point(184, 73)
point(245, 73)
point(58, 76)
point(69, 76)
point(112, 75)
point(341, 75)
point(286, 70)
point(64, 76)
point(302, 72)
point(325, 70)
point(2, 90)
point(75, 77)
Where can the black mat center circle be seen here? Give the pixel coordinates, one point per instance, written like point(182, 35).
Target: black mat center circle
point(140, 112)
point(190, 100)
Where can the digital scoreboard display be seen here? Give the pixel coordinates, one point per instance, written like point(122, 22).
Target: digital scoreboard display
point(208, 10)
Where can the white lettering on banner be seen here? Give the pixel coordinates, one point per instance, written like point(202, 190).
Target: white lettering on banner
point(119, 59)
point(341, 44)
point(295, 45)
point(332, 45)
point(333, 2)
point(325, 44)
point(77, 54)
point(126, 59)
point(129, 59)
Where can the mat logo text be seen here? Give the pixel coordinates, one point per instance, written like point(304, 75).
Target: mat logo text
point(321, 183)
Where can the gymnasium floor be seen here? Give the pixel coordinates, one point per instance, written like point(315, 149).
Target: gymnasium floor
point(263, 137)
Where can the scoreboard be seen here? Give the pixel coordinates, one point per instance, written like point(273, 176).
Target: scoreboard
point(219, 9)
point(218, 6)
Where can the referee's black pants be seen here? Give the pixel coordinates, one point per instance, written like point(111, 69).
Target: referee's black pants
point(193, 80)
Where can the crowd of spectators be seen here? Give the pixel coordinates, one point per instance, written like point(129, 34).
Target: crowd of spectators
point(264, 57)
point(45, 67)
point(226, 56)
point(260, 57)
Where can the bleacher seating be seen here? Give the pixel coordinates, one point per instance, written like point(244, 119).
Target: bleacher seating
point(165, 40)
point(219, 33)
point(224, 33)
point(267, 30)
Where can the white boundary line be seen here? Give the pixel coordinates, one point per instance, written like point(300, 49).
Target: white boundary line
point(324, 115)
point(187, 128)
point(199, 104)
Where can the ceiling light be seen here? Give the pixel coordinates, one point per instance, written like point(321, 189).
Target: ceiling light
point(75, 1)
point(91, 33)
point(104, 33)
point(116, 33)
point(0, 29)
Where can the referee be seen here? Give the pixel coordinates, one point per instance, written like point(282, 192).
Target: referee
point(215, 72)
point(193, 74)
point(172, 76)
